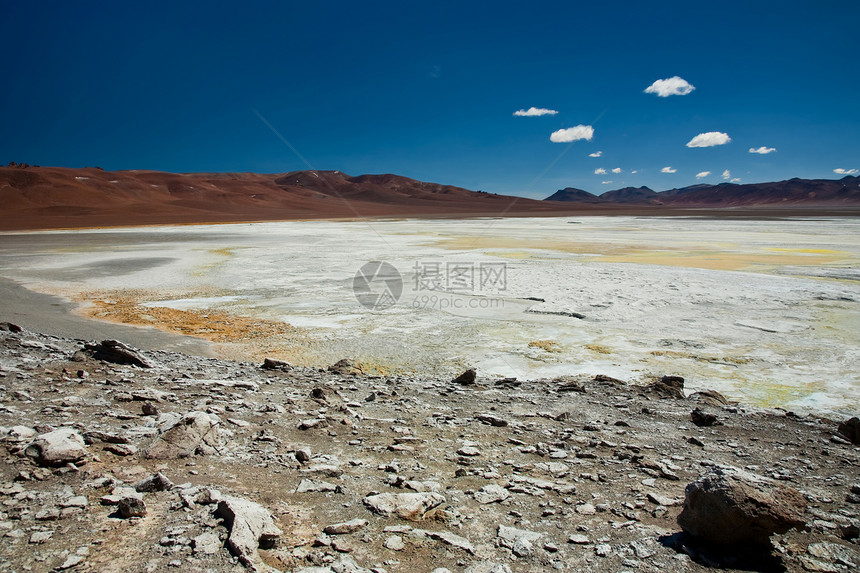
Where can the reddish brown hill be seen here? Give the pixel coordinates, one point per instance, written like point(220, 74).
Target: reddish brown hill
point(54, 197)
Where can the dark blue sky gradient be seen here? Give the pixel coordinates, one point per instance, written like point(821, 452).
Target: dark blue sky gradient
point(428, 89)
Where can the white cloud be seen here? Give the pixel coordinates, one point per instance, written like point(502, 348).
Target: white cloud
point(605, 182)
point(570, 134)
point(668, 170)
point(841, 171)
point(669, 87)
point(595, 154)
point(762, 150)
point(617, 170)
point(709, 139)
point(702, 175)
point(727, 174)
point(534, 112)
point(600, 171)
point(735, 180)
point(635, 171)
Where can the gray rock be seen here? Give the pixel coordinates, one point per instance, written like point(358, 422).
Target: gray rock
point(155, 482)
point(251, 526)
point(58, 448)
point(345, 527)
point(728, 506)
point(467, 378)
point(453, 540)
point(131, 506)
point(118, 353)
point(206, 543)
point(394, 543)
point(488, 567)
point(411, 506)
point(850, 429)
point(193, 433)
point(491, 493)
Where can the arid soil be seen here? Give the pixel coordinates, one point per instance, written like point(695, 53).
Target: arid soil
point(184, 463)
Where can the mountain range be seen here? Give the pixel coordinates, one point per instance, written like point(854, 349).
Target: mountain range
point(805, 192)
point(34, 197)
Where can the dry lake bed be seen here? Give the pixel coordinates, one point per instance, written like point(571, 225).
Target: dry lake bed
point(764, 311)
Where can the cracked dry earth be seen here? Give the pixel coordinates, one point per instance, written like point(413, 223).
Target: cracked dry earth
point(198, 464)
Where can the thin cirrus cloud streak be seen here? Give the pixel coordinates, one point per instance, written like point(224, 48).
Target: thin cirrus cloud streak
point(534, 112)
point(709, 139)
point(670, 86)
point(702, 175)
point(571, 134)
point(762, 150)
point(841, 171)
point(668, 170)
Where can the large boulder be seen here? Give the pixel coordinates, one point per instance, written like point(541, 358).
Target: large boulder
point(411, 506)
point(667, 387)
point(251, 527)
point(118, 353)
point(193, 433)
point(850, 429)
point(467, 378)
point(728, 506)
point(58, 448)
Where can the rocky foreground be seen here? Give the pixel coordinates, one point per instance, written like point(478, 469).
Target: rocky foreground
point(117, 460)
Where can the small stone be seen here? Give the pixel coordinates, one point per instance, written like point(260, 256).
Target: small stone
point(578, 539)
point(603, 550)
point(155, 482)
point(345, 527)
point(467, 378)
point(491, 493)
point(131, 507)
point(469, 451)
point(586, 509)
point(76, 501)
point(71, 561)
point(303, 455)
point(41, 536)
point(313, 423)
point(206, 543)
point(394, 543)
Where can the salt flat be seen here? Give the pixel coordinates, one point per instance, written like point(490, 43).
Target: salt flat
point(765, 311)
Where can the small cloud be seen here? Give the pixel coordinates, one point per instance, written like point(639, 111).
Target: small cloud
point(709, 139)
point(668, 170)
point(669, 87)
point(636, 171)
point(600, 171)
point(841, 171)
point(727, 174)
point(605, 182)
point(571, 134)
point(617, 170)
point(534, 112)
point(595, 154)
point(762, 150)
point(702, 175)
point(735, 180)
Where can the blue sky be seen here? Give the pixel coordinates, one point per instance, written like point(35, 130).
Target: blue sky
point(429, 89)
